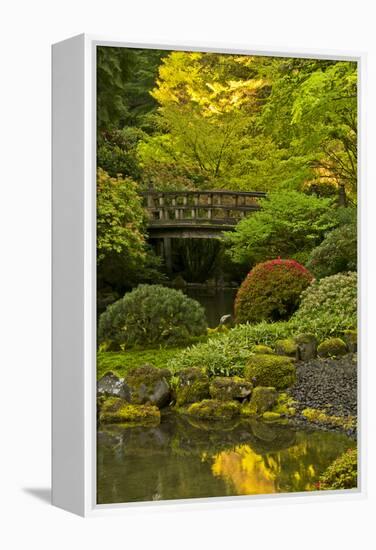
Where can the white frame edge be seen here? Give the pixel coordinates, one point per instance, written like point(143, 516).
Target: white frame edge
point(74, 281)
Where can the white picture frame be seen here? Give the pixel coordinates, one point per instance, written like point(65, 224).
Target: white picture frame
point(74, 279)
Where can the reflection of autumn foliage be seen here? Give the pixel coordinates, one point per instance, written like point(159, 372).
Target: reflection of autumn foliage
point(246, 470)
point(289, 470)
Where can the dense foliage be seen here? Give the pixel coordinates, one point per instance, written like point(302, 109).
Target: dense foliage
point(331, 301)
point(337, 252)
point(152, 314)
point(289, 224)
point(271, 291)
point(342, 473)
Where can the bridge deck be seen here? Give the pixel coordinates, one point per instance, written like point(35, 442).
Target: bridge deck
point(198, 214)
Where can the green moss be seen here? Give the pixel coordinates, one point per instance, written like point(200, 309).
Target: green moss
point(287, 346)
point(318, 416)
point(271, 370)
point(147, 384)
point(121, 362)
point(285, 405)
point(351, 339)
point(214, 409)
point(270, 416)
point(192, 386)
point(261, 348)
point(342, 473)
point(115, 410)
point(332, 347)
point(228, 388)
point(307, 346)
point(262, 399)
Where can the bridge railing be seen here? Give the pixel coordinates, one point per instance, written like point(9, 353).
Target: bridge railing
point(193, 207)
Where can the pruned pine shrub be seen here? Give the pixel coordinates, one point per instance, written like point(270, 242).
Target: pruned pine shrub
point(150, 315)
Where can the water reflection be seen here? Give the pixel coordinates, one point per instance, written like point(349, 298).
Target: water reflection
point(182, 458)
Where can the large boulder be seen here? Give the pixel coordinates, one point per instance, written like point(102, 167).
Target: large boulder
point(286, 346)
point(111, 385)
point(332, 347)
point(192, 386)
point(213, 409)
point(116, 410)
point(231, 387)
point(149, 385)
point(270, 370)
point(307, 346)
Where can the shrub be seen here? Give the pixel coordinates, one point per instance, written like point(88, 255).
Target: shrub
point(342, 473)
point(288, 222)
point(337, 252)
point(329, 306)
point(274, 371)
point(152, 314)
point(271, 291)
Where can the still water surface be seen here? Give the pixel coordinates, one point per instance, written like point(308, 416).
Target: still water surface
point(184, 458)
point(215, 301)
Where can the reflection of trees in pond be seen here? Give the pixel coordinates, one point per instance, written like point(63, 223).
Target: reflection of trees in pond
point(294, 469)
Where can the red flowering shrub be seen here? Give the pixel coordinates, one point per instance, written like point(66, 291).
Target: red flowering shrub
point(271, 291)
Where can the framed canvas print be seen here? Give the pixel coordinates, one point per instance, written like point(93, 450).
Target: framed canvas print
point(206, 248)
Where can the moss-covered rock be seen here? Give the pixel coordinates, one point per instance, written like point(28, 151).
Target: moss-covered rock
point(322, 418)
point(307, 346)
point(116, 410)
point(342, 473)
point(288, 347)
point(351, 339)
point(261, 348)
point(263, 399)
point(270, 416)
point(271, 370)
point(285, 405)
point(214, 409)
point(148, 385)
point(231, 387)
point(192, 386)
point(332, 347)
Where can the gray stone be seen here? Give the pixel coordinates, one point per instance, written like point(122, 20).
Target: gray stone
point(307, 346)
point(111, 385)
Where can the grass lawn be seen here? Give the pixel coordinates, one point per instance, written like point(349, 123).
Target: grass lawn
point(120, 362)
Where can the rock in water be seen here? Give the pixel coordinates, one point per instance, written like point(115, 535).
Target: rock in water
point(111, 385)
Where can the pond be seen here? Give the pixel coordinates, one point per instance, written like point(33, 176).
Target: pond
point(215, 301)
point(186, 458)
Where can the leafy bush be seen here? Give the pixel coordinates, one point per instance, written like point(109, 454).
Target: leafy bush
point(337, 252)
point(152, 314)
point(290, 224)
point(271, 291)
point(227, 354)
point(329, 306)
point(342, 473)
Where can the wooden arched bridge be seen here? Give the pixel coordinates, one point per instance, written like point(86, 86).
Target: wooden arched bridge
point(197, 214)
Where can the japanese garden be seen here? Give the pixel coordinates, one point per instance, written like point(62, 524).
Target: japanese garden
point(226, 275)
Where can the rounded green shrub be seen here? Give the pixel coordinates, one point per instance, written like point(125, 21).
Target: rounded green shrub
point(342, 473)
point(152, 314)
point(336, 253)
point(330, 303)
point(332, 347)
point(271, 370)
point(271, 291)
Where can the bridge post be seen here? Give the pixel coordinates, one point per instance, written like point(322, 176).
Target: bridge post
point(167, 252)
